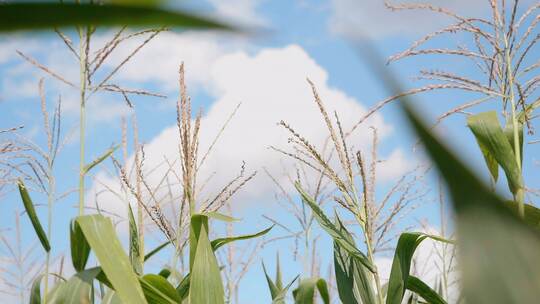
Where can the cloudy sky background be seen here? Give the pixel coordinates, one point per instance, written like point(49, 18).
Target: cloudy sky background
point(267, 76)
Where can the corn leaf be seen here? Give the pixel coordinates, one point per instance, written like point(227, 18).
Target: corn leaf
point(31, 211)
point(487, 130)
point(158, 290)
point(78, 288)
point(401, 265)
point(166, 273)
point(220, 217)
point(217, 243)
point(111, 297)
point(35, 290)
point(499, 252)
point(532, 214)
point(420, 288)
point(54, 294)
point(280, 298)
point(156, 250)
point(354, 283)
point(100, 234)
point(332, 230)
point(305, 293)
point(100, 159)
point(274, 290)
point(183, 288)
point(41, 15)
point(509, 132)
point(80, 249)
point(205, 281)
point(322, 287)
point(491, 162)
point(134, 252)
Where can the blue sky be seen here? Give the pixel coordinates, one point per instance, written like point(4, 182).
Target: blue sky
point(266, 75)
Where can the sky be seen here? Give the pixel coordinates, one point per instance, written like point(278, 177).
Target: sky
point(262, 79)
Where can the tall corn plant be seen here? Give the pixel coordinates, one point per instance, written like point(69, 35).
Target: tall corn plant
point(354, 180)
point(502, 49)
point(95, 232)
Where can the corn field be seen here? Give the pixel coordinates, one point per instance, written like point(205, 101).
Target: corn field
point(489, 236)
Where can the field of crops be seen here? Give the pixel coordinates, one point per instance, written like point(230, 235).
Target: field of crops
point(487, 242)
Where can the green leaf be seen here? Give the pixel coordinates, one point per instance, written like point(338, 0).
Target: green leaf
point(35, 290)
point(220, 217)
point(401, 265)
point(491, 162)
point(354, 283)
point(217, 243)
point(280, 298)
point(322, 287)
point(498, 252)
point(134, 252)
point(41, 15)
point(80, 249)
point(205, 286)
point(156, 250)
point(274, 290)
point(100, 159)
point(166, 273)
point(332, 230)
point(54, 294)
point(509, 132)
point(487, 130)
point(29, 207)
point(158, 290)
point(78, 289)
point(417, 286)
point(111, 297)
point(100, 234)
point(183, 288)
point(532, 214)
point(305, 293)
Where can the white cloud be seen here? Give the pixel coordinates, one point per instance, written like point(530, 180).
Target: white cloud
point(158, 61)
point(353, 18)
point(271, 86)
point(396, 162)
point(242, 12)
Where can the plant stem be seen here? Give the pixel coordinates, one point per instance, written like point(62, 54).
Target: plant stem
point(50, 201)
point(364, 223)
point(83, 41)
point(519, 195)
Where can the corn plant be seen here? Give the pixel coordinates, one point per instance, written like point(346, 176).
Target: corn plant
point(123, 276)
point(502, 50)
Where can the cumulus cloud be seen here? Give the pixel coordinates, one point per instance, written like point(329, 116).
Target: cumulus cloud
point(158, 61)
point(239, 11)
point(352, 18)
point(271, 85)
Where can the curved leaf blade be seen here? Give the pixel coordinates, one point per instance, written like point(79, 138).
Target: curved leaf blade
point(40, 15)
point(205, 282)
point(332, 230)
point(100, 234)
point(217, 243)
point(35, 290)
point(78, 288)
point(498, 251)
point(31, 211)
point(158, 290)
point(487, 130)
point(417, 286)
point(401, 265)
point(352, 278)
point(80, 249)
